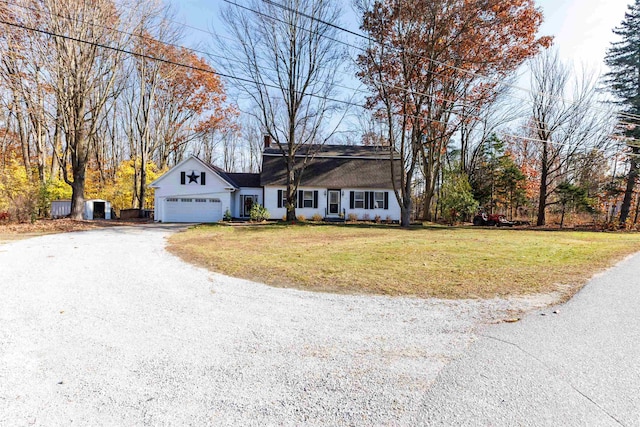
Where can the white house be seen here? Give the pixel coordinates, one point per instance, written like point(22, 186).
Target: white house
point(337, 182)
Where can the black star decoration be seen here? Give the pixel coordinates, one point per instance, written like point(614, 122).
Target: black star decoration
point(193, 177)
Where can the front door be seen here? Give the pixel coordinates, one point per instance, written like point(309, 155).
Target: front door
point(333, 202)
point(247, 204)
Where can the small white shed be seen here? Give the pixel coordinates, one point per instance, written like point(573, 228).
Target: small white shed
point(60, 208)
point(93, 209)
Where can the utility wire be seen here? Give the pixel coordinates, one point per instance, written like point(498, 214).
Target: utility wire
point(440, 63)
point(175, 63)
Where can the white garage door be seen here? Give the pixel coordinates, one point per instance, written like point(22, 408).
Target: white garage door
point(186, 209)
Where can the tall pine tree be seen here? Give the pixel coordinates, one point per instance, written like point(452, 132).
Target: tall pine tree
point(623, 80)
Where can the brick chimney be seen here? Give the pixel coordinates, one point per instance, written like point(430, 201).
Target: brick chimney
point(267, 141)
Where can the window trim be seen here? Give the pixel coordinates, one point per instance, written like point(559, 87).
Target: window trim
point(307, 200)
point(356, 200)
point(378, 203)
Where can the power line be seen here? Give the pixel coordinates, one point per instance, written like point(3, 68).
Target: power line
point(443, 64)
point(458, 114)
point(166, 61)
point(175, 63)
point(149, 57)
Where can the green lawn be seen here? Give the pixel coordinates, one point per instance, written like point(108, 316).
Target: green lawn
point(425, 261)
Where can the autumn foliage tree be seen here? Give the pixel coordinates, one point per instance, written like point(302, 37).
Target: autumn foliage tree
point(86, 86)
point(175, 96)
point(426, 59)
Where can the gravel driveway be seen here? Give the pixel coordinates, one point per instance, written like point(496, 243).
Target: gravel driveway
point(106, 328)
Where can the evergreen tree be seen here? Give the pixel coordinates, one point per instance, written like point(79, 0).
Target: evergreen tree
point(623, 80)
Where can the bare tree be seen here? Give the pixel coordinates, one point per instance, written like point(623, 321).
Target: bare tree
point(480, 123)
point(83, 73)
point(284, 59)
point(23, 69)
point(563, 128)
point(143, 121)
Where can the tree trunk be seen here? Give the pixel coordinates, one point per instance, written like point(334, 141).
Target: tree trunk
point(143, 184)
point(631, 182)
point(542, 198)
point(428, 199)
point(79, 160)
point(77, 197)
point(291, 191)
point(405, 213)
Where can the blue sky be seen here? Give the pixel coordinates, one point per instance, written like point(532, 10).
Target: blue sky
point(583, 28)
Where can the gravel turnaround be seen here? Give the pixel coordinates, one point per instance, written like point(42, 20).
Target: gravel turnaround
point(573, 365)
point(105, 327)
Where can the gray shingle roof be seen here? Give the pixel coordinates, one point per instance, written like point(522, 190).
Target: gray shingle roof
point(245, 179)
point(333, 166)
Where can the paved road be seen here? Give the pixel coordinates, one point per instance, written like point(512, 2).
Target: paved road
point(106, 328)
point(577, 367)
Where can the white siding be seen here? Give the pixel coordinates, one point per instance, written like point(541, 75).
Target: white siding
point(169, 186)
point(392, 212)
point(60, 208)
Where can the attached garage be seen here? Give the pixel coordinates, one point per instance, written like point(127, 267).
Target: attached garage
point(192, 209)
point(193, 191)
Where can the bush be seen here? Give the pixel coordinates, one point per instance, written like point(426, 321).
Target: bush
point(389, 220)
point(352, 217)
point(258, 213)
point(316, 217)
point(227, 215)
point(366, 217)
point(377, 219)
point(301, 218)
point(457, 198)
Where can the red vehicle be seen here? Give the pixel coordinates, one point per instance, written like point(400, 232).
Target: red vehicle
point(491, 220)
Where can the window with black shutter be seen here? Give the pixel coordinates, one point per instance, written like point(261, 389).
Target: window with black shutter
point(359, 200)
point(379, 199)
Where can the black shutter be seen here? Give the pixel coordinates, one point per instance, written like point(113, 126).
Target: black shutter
point(183, 177)
point(315, 199)
point(366, 199)
point(372, 201)
point(386, 200)
point(351, 199)
point(203, 177)
point(300, 199)
point(279, 198)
